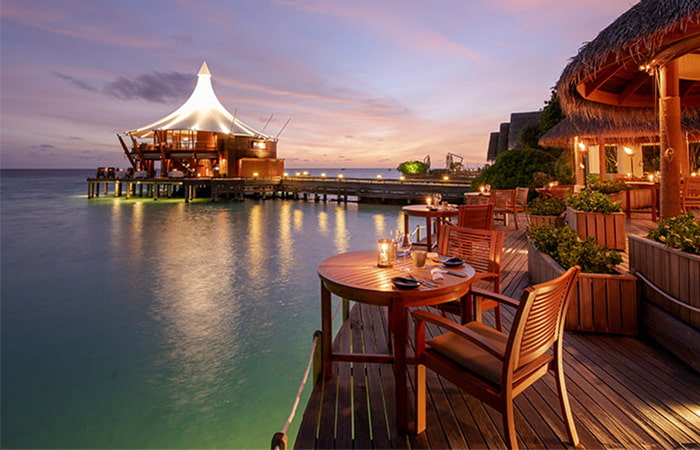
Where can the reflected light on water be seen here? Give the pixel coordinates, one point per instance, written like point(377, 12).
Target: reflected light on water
point(323, 223)
point(380, 225)
point(341, 238)
point(298, 220)
point(285, 246)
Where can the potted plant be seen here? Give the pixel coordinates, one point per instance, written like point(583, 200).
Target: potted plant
point(668, 261)
point(592, 213)
point(617, 191)
point(605, 299)
point(546, 211)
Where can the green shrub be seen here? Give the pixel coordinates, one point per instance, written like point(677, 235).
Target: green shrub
point(413, 167)
point(593, 201)
point(681, 232)
point(608, 186)
point(564, 246)
point(546, 207)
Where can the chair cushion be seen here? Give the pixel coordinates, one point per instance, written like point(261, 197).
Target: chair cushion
point(471, 356)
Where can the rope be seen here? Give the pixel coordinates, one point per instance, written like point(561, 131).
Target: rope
point(664, 294)
point(279, 440)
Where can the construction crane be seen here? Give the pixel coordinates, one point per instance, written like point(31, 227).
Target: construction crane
point(453, 162)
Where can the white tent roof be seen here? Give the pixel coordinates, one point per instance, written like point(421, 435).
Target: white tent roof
point(202, 111)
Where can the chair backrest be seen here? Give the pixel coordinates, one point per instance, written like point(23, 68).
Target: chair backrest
point(521, 194)
point(478, 199)
point(539, 320)
point(476, 216)
point(691, 192)
point(503, 198)
point(482, 249)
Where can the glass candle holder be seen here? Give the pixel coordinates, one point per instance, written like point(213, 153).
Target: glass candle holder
point(385, 251)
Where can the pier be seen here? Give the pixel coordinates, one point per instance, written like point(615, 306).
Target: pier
point(367, 190)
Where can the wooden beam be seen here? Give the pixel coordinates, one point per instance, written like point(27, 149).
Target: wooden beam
point(635, 83)
point(673, 146)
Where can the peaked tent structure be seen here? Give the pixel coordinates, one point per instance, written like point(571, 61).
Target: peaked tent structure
point(202, 139)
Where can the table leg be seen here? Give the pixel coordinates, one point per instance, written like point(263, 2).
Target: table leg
point(398, 321)
point(429, 232)
point(326, 332)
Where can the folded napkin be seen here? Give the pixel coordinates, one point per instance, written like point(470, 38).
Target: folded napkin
point(437, 275)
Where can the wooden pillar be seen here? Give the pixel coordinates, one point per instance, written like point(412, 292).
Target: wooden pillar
point(602, 159)
point(578, 163)
point(674, 152)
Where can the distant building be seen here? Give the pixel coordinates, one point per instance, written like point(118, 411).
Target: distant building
point(508, 135)
point(201, 139)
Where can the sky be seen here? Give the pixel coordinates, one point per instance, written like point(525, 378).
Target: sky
point(358, 83)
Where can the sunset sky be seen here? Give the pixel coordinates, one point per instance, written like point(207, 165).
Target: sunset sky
point(363, 83)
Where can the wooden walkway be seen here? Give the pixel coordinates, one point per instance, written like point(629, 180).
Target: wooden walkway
point(624, 392)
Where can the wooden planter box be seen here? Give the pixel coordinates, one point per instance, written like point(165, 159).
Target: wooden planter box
point(536, 221)
point(606, 229)
point(639, 198)
point(601, 303)
point(672, 316)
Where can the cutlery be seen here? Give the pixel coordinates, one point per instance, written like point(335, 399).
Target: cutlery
point(424, 283)
point(456, 274)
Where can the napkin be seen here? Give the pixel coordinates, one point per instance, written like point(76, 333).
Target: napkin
point(437, 275)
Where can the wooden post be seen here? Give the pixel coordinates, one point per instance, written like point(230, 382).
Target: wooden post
point(602, 159)
point(674, 152)
point(578, 162)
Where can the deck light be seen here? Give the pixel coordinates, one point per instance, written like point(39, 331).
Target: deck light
point(255, 174)
point(379, 176)
point(445, 178)
point(340, 175)
point(298, 173)
point(306, 173)
point(323, 174)
point(286, 174)
point(582, 147)
point(402, 178)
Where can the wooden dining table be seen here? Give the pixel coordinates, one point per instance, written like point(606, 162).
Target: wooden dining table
point(355, 276)
point(429, 213)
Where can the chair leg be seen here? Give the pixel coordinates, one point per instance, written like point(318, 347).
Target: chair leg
point(420, 398)
point(509, 425)
point(564, 401)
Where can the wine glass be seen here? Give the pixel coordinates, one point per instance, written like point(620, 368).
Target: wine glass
point(405, 244)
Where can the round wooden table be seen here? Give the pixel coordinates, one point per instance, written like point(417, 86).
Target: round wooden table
point(429, 213)
point(356, 276)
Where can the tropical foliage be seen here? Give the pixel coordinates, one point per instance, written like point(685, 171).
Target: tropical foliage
point(681, 232)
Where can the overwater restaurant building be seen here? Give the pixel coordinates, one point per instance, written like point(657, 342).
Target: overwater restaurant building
point(201, 139)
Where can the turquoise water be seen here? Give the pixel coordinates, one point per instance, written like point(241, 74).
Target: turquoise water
point(159, 324)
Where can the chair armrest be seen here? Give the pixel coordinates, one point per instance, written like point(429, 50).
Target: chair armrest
point(493, 296)
point(459, 330)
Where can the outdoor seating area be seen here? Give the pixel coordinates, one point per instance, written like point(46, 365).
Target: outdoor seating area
point(622, 390)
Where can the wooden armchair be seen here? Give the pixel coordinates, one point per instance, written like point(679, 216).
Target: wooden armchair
point(690, 193)
point(477, 199)
point(504, 203)
point(476, 216)
point(483, 250)
point(495, 367)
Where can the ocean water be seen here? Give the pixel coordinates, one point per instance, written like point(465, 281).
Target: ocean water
point(160, 324)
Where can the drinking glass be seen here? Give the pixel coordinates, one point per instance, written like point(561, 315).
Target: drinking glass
point(405, 244)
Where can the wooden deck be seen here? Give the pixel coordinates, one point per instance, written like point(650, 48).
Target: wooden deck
point(624, 392)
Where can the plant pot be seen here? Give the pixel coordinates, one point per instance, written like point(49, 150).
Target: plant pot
point(606, 229)
point(672, 319)
point(600, 303)
point(536, 221)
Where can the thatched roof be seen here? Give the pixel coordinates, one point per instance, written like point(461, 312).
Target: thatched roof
point(564, 132)
point(611, 63)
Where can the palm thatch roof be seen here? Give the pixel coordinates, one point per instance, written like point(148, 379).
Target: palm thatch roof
point(604, 80)
point(563, 133)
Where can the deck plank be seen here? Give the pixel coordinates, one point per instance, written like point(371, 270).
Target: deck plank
point(624, 392)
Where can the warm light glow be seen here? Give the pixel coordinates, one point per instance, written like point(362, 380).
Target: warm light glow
point(694, 174)
point(651, 178)
point(428, 200)
point(340, 175)
point(445, 178)
point(384, 253)
point(298, 173)
point(259, 145)
point(286, 174)
point(379, 177)
point(582, 147)
point(482, 188)
point(255, 174)
point(306, 173)
point(629, 151)
point(402, 178)
point(323, 174)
